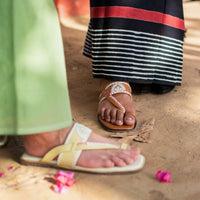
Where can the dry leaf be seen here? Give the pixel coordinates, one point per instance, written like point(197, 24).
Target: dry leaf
point(141, 134)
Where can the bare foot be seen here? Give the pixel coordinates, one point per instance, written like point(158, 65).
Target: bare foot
point(112, 114)
point(40, 144)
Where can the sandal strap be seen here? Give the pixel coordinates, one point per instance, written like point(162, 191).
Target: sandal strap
point(116, 103)
point(69, 152)
point(117, 87)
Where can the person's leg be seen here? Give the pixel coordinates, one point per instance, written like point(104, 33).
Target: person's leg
point(40, 100)
point(40, 144)
point(136, 42)
point(33, 81)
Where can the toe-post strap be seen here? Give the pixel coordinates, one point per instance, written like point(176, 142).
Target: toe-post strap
point(69, 152)
point(115, 88)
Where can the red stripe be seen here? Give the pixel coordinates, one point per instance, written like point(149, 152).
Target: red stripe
point(135, 13)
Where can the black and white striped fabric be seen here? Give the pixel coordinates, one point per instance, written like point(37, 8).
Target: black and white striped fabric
point(136, 42)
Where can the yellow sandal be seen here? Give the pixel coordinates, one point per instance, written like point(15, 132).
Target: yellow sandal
point(68, 154)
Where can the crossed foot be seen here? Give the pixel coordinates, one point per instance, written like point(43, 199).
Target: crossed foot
point(39, 144)
point(112, 114)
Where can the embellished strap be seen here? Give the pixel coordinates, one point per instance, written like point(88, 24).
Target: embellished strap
point(115, 88)
point(69, 152)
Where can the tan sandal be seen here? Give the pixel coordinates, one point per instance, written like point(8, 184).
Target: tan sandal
point(108, 92)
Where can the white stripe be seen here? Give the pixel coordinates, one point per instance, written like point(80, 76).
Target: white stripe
point(138, 77)
point(89, 30)
point(88, 41)
point(142, 60)
point(89, 37)
point(136, 50)
point(147, 47)
point(137, 68)
point(87, 53)
point(139, 64)
point(134, 54)
point(141, 73)
point(135, 41)
point(162, 48)
point(134, 36)
point(86, 46)
point(137, 33)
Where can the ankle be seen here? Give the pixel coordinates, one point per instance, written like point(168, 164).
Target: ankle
point(40, 144)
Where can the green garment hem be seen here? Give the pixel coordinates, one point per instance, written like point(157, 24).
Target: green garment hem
point(35, 130)
point(33, 86)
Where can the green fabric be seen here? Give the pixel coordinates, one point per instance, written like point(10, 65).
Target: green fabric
point(33, 86)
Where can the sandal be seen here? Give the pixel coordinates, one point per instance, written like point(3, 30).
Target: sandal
point(68, 154)
point(111, 89)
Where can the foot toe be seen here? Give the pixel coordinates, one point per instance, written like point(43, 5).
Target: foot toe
point(119, 162)
point(102, 113)
point(128, 160)
point(119, 118)
point(107, 115)
point(129, 118)
point(113, 116)
point(108, 164)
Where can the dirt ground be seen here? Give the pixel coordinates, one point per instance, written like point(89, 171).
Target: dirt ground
point(175, 137)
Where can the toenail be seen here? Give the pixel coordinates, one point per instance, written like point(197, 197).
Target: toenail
point(129, 118)
point(108, 120)
point(119, 122)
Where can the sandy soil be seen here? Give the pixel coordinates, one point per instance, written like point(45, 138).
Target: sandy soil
point(175, 137)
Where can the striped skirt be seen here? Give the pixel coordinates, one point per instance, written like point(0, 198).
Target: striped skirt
point(136, 41)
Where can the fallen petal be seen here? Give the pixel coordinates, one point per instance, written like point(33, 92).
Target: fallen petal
point(60, 189)
point(2, 174)
point(10, 168)
point(65, 178)
point(66, 174)
point(163, 176)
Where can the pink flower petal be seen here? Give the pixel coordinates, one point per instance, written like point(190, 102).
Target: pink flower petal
point(10, 168)
point(70, 182)
point(63, 181)
point(60, 189)
point(65, 178)
point(2, 174)
point(66, 174)
point(163, 176)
